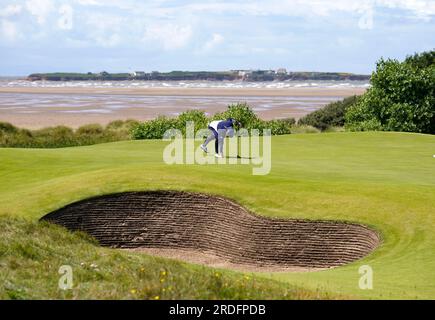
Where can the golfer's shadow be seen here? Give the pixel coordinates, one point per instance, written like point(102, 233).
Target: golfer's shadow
point(239, 157)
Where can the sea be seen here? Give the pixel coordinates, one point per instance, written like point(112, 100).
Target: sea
point(18, 82)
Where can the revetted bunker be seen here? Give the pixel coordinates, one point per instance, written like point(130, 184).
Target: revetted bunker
point(205, 223)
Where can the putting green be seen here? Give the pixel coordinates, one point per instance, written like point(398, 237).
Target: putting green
point(384, 180)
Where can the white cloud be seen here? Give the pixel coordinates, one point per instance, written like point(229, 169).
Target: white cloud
point(171, 24)
point(108, 41)
point(89, 2)
point(105, 29)
point(169, 36)
point(40, 9)
point(119, 4)
point(10, 10)
point(9, 30)
point(419, 8)
point(100, 22)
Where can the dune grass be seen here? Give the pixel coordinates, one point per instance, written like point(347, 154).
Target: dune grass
point(385, 180)
point(32, 252)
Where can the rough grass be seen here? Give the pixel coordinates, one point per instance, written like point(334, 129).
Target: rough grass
point(383, 179)
point(302, 128)
point(31, 254)
point(62, 136)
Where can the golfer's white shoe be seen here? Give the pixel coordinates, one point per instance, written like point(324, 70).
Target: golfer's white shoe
point(204, 148)
point(218, 155)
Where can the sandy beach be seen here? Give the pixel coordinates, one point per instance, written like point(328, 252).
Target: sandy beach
point(48, 106)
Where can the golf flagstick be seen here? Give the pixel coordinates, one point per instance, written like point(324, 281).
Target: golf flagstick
point(238, 146)
point(238, 140)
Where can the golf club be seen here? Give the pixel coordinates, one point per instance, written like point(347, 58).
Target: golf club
point(238, 139)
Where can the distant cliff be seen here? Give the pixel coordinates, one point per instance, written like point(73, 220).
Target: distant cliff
point(257, 75)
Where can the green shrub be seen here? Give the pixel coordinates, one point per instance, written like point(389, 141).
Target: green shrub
point(6, 127)
point(242, 113)
point(198, 117)
point(402, 98)
point(249, 120)
point(421, 60)
point(154, 129)
point(280, 126)
point(332, 115)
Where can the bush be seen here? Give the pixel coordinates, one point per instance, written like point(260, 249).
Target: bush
point(61, 136)
point(280, 126)
point(197, 117)
point(402, 98)
point(154, 129)
point(421, 60)
point(6, 127)
point(332, 115)
point(242, 113)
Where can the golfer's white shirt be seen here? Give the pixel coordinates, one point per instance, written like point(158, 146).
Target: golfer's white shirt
point(228, 132)
point(214, 124)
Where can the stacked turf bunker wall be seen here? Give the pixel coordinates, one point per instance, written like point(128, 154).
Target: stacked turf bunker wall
point(193, 221)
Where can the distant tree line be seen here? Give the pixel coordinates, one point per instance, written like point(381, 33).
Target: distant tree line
point(258, 75)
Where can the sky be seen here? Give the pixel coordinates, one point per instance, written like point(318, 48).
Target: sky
point(165, 35)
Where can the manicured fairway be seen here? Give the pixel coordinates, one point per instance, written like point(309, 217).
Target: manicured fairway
point(384, 180)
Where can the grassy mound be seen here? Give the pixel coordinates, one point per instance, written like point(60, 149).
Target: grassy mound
point(31, 254)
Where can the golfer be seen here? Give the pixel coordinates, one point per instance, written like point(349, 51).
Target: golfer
point(219, 129)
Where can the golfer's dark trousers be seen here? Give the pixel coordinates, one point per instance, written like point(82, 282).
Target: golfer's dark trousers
point(216, 139)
